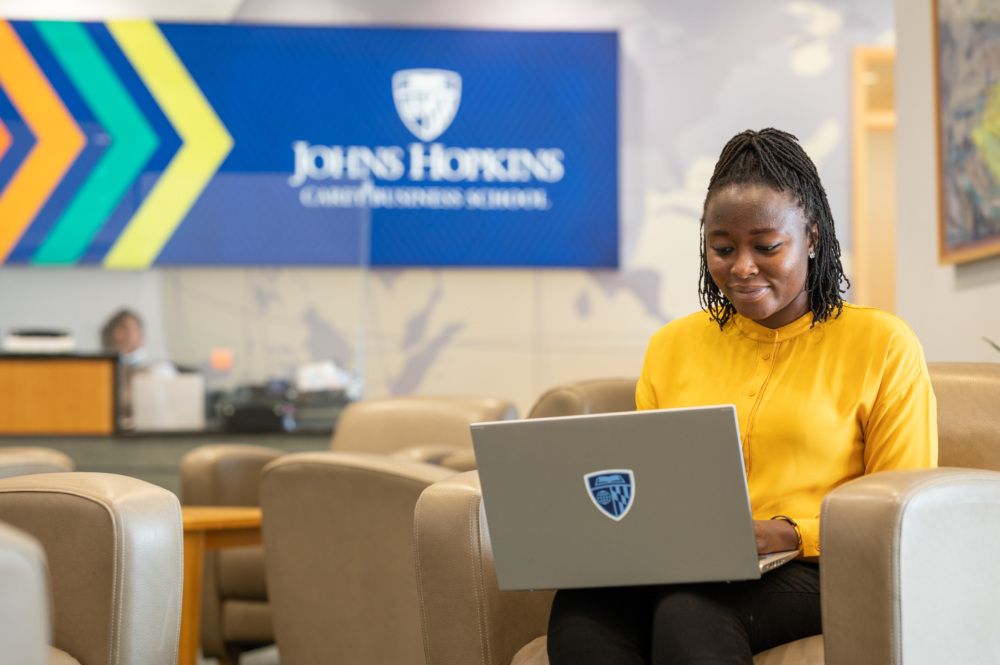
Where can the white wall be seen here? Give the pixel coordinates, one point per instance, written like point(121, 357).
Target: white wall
point(950, 307)
point(691, 76)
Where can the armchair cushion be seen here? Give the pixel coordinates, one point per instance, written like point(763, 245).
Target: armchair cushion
point(57, 657)
point(808, 651)
point(114, 549)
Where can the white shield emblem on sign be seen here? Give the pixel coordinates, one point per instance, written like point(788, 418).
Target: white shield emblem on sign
point(426, 100)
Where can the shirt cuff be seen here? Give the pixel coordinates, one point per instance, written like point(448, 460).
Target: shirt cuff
point(809, 535)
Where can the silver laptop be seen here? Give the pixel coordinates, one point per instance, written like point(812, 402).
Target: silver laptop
point(618, 499)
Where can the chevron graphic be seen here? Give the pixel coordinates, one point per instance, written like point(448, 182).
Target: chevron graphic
point(59, 139)
point(4, 139)
point(206, 143)
point(133, 141)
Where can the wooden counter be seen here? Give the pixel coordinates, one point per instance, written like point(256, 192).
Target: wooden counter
point(58, 394)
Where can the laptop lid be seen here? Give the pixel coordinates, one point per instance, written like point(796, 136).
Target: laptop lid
point(617, 499)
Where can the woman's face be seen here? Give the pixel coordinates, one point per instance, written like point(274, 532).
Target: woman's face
point(757, 244)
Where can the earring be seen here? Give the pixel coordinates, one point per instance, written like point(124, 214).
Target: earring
point(812, 254)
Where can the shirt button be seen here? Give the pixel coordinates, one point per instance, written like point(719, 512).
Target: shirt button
point(752, 392)
point(770, 334)
point(767, 356)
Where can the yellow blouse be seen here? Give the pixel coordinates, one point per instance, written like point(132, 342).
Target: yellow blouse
point(817, 406)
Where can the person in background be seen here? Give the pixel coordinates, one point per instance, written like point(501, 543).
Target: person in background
point(825, 391)
point(123, 335)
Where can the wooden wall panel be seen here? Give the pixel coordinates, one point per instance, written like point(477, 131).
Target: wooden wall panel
point(57, 394)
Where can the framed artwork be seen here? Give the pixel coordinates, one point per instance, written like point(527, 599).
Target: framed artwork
point(967, 63)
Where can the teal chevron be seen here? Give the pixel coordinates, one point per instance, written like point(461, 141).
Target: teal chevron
point(133, 142)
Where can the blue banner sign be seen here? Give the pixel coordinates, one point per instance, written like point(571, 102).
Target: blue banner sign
point(260, 145)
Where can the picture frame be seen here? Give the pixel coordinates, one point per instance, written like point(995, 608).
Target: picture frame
point(967, 82)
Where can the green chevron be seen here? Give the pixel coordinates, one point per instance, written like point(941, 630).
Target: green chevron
point(205, 144)
point(133, 142)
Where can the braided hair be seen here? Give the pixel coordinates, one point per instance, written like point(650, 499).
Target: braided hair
point(775, 159)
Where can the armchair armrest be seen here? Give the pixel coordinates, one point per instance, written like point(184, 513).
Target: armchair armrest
point(909, 568)
point(24, 599)
point(462, 460)
point(431, 454)
point(224, 474)
point(466, 618)
point(450, 457)
point(114, 546)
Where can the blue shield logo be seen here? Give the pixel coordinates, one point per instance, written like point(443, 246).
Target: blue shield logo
point(612, 491)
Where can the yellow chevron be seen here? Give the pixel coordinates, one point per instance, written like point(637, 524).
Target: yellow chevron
point(204, 144)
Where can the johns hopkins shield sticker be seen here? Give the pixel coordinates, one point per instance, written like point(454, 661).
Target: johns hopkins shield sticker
point(612, 491)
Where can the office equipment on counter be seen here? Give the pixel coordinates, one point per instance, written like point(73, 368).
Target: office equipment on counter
point(38, 340)
point(275, 407)
point(163, 403)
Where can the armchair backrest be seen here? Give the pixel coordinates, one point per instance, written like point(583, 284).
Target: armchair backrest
point(114, 546)
point(224, 474)
point(389, 424)
point(968, 413)
point(338, 549)
point(25, 460)
point(583, 397)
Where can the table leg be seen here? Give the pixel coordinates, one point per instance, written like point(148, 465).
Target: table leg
point(194, 563)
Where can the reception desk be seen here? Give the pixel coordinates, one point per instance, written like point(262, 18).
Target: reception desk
point(45, 394)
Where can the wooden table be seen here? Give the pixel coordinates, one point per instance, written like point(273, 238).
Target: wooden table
point(208, 528)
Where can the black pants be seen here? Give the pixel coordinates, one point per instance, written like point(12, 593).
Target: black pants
point(685, 623)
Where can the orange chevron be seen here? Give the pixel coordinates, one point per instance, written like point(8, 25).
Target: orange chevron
point(4, 139)
point(58, 139)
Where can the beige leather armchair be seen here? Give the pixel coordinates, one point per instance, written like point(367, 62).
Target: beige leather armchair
point(25, 460)
point(24, 599)
point(338, 543)
point(910, 564)
point(567, 399)
point(236, 614)
point(583, 397)
point(114, 549)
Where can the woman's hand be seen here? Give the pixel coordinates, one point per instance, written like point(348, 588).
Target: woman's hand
point(775, 536)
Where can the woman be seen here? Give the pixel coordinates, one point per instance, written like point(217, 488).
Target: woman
point(825, 391)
